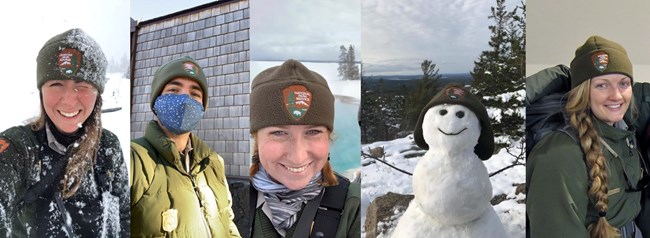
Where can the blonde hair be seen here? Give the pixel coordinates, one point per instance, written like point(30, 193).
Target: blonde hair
point(579, 113)
point(82, 157)
point(329, 178)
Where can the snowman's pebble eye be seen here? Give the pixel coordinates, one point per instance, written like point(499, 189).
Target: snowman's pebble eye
point(460, 114)
point(443, 112)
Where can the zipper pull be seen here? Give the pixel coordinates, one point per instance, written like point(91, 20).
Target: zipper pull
point(630, 145)
point(196, 190)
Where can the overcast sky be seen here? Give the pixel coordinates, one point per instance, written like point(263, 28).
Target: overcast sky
point(303, 30)
point(399, 35)
point(142, 10)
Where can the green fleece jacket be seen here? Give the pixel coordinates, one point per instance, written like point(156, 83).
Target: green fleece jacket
point(167, 201)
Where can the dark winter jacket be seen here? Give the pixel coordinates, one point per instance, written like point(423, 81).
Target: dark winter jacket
point(349, 225)
point(99, 207)
point(166, 201)
point(557, 79)
point(557, 177)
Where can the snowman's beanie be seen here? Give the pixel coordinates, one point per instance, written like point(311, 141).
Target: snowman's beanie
point(72, 55)
point(457, 94)
point(290, 94)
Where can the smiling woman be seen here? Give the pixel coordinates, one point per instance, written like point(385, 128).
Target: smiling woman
point(63, 172)
point(586, 180)
point(292, 118)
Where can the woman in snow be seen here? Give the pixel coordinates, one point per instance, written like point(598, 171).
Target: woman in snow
point(63, 175)
point(585, 181)
point(292, 117)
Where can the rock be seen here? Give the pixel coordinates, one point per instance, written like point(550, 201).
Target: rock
point(384, 212)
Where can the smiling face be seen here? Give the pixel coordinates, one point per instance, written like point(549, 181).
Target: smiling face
point(609, 97)
point(450, 126)
point(68, 103)
point(293, 154)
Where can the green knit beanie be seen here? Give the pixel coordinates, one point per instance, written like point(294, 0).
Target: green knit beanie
point(290, 94)
point(72, 55)
point(184, 67)
point(457, 94)
point(599, 56)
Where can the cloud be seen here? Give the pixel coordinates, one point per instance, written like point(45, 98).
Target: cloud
point(398, 35)
point(305, 30)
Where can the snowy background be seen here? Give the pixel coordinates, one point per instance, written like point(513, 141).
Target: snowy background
point(29, 24)
point(378, 179)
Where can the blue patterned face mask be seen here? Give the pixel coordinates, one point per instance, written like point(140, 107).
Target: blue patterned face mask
point(179, 113)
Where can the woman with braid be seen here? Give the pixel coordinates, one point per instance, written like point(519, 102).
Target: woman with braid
point(584, 180)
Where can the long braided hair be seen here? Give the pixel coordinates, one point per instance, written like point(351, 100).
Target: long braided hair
point(580, 119)
point(83, 157)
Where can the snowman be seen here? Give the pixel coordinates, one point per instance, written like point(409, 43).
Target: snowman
point(451, 185)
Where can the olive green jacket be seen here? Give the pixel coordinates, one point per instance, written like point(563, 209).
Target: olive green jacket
point(164, 201)
point(349, 225)
point(557, 79)
point(556, 173)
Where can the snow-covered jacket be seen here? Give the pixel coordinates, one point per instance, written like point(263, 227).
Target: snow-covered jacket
point(169, 202)
point(556, 174)
point(98, 209)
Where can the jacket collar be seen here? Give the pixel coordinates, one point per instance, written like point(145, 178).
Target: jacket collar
point(166, 148)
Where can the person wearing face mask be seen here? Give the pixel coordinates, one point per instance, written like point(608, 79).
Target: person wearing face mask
point(178, 183)
point(295, 192)
point(63, 175)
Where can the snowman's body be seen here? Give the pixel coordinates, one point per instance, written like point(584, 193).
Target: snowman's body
point(451, 185)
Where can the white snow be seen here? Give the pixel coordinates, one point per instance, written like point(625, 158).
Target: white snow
point(378, 179)
point(111, 215)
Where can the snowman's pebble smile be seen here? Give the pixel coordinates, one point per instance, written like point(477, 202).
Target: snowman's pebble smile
point(452, 134)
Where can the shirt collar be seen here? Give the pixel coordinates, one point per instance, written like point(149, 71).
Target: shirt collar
point(53, 143)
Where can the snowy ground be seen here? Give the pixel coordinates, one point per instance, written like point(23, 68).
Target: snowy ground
point(379, 179)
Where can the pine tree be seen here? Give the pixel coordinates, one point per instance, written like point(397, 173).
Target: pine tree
point(499, 73)
point(352, 68)
point(343, 58)
point(420, 95)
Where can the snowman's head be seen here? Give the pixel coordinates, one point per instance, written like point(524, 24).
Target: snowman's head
point(451, 126)
point(441, 119)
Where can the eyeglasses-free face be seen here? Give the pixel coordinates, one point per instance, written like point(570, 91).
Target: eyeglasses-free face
point(68, 103)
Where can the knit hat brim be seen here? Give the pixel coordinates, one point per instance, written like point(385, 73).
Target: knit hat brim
point(72, 55)
point(184, 67)
point(290, 94)
point(599, 56)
